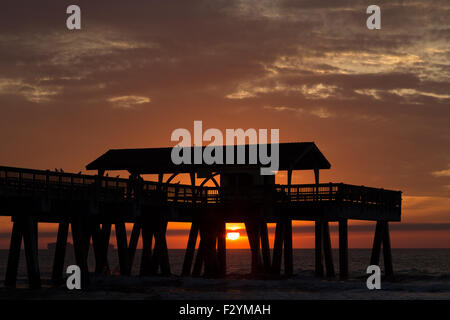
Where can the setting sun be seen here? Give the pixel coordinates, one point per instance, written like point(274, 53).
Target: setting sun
point(233, 235)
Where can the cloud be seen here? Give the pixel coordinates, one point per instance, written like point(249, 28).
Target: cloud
point(252, 90)
point(426, 208)
point(33, 91)
point(374, 93)
point(128, 102)
point(240, 94)
point(441, 173)
point(322, 113)
point(283, 108)
point(60, 49)
point(408, 92)
point(318, 91)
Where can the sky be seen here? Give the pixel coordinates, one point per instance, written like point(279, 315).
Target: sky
point(375, 102)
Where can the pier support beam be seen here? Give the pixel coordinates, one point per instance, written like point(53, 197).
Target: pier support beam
point(154, 259)
point(30, 238)
point(329, 266)
point(377, 240)
point(278, 247)
point(222, 249)
point(190, 250)
point(24, 227)
point(208, 235)
point(14, 254)
point(101, 237)
point(253, 234)
point(134, 239)
point(147, 239)
point(387, 256)
point(211, 253)
point(288, 253)
point(199, 260)
point(382, 237)
point(283, 239)
point(122, 248)
point(318, 249)
point(258, 239)
point(60, 253)
point(265, 247)
point(323, 249)
point(160, 256)
point(343, 249)
point(78, 226)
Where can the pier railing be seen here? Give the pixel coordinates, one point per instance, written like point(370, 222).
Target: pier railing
point(21, 181)
point(80, 186)
point(339, 192)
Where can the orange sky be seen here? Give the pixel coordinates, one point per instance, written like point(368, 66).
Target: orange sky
point(301, 239)
point(376, 103)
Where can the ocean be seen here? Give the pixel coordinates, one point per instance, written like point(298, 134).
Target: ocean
point(420, 274)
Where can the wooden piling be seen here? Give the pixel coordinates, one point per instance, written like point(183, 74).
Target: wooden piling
point(134, 239)
point(387, 255)
point(60, 253)
point(147, 239)
point(31, 252)
point(160, 256)
point(277, 247)
point(190, 249)
point(377, 240)
point(87, 233)
point(25, 228)
point(265, 246)
point(252, 228)
point(122, 248)
point(79, 248)
point(14, 254)
point(208, 234)
point(164, 258)
point(318, 248)
point(328, 254)
point(199, 260)
point(343, 249)
point(288, 252)
point(382, 237)
point(97, 242)
point(102, 243)
point(222, 249)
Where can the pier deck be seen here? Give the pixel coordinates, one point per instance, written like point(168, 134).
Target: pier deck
point(92, 204)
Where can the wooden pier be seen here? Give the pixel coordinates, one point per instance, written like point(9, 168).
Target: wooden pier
point(92, 204)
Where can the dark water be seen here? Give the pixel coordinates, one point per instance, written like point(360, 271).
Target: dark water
point(408, 262)
point(420, 274)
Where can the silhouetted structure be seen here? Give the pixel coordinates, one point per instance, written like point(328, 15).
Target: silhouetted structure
point(92, 204)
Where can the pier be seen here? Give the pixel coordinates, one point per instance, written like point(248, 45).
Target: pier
point(92, 204)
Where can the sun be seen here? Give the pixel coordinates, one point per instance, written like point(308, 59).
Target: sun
point(233, 235)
